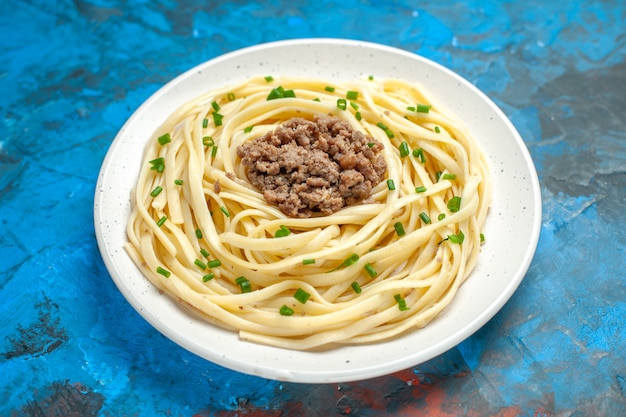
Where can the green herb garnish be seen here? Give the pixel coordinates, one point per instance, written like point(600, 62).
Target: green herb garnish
point(285, 311)
point(454, 204)
point(163, 271)
point(401, 302)
point(282, 231)
point(157, 190)
point(163, 139)
point(301, 295)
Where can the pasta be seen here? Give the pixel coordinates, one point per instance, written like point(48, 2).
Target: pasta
point(203, 234)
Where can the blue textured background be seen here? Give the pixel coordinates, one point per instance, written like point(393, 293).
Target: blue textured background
point(72, 72)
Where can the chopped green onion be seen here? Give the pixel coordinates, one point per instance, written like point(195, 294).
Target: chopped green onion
point(391, 185)
point(454, 204)
point(275, 93)
point(317, 99)
point(370, 77)
point(308, 261)
point(245, 287)
point(282, 232)
point(422, 108)
point(244, 284)
point(217, 119)
point(458, 238)
point(158, 164)
point(204, 252)
point(163, 139)
point(161, 221)
point(231, 96)
point(208, 277)
point(482, 238)
point(269, 78)
point(449, 176)
point(358, 115)
point(399, 229)
point(354, 105)
point(341, 103)
point(199, 233)
point(248, 129)
point(200, 264)
point(352, 259)
point(205, 123)
point(178, 182)
point(214, 151)
point(388, 132)
point(437, 130)
point(215, 106)
point(356, 287)
point(163, 271)
point(421, 189)
point(404, 149)
point(401, 302)
point(280, 92)
point(419, 154)
point(329, 88)
point(425, 218)
point(208, 141)
point(370, 144)
point(301, 295)
point(352, 95)
point(370, 270)
point(157, 190)
point(214, 263)
point(441, 216)
point(438, 176)
point(410, 108)
point(225, 211)
point(285, 311)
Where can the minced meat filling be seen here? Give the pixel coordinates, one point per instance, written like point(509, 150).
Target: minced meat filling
point(305, 167)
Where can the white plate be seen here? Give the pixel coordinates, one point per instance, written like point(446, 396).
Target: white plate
point(512, 227)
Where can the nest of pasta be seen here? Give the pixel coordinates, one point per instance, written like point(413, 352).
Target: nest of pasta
point(311, 245)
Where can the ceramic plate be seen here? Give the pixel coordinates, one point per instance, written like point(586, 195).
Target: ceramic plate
point(516, 211)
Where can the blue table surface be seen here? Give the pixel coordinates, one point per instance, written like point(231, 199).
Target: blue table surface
point(72, 72)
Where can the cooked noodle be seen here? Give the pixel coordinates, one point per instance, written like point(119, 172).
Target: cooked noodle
point(365, 280)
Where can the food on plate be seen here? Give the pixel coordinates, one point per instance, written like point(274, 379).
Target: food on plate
point(303, 212)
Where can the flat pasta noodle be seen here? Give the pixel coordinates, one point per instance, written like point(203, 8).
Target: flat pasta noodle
point(202, 233)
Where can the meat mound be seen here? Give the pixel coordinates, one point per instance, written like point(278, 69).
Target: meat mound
point(313, 167)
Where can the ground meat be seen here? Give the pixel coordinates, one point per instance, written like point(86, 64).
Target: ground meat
point(306, 167)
